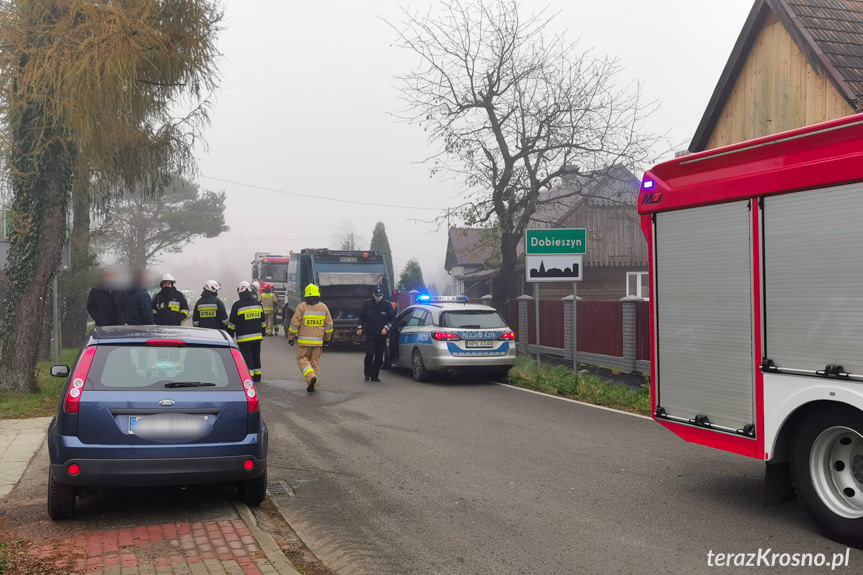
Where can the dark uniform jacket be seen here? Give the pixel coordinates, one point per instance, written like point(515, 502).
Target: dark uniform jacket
point(170, 307)
point(375, 317)
point(139, 310)
point(247, 318)
point(105, 306)
point(210, 312)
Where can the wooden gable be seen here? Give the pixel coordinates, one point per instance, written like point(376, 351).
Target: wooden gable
point(789, 68)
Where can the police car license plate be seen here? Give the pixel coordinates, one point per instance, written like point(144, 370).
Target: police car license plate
point(479, 343)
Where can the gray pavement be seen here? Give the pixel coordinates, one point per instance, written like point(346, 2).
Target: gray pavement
point(231, 545)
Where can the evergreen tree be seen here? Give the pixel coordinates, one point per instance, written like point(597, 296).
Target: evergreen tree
point(381, 244)
point(412, 277)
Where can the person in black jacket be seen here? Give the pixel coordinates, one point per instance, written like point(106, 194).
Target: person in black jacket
point(248, 325)
point(209, 309)
point(169, 305)
point(139, 310)
point(105, 302)
point(376, 321)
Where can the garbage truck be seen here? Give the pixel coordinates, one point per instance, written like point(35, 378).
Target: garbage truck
point(756, 310)
point(346, 279)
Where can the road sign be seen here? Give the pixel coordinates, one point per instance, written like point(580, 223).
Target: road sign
point(555, 241)
point(554, 268)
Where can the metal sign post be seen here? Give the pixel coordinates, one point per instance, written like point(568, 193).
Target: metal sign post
point(575, 326)
point(555, 255)
point(536, 322)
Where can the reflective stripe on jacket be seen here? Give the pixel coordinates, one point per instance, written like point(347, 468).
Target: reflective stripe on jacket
point(247, 319)
point(311, 324)
point(269, 301)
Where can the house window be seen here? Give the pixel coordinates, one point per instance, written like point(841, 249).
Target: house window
point(637, 284)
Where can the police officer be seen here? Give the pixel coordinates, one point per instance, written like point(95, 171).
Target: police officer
point(209, 309)
point(247, 323)
point(270, 302)
point(169, 305)
point(312, 326)
point(376, 321)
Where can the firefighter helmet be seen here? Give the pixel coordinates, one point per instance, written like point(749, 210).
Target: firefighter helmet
point(256, 284)
point(244, 287)
point(212, 286)
point(312, 291)
point(166, 279)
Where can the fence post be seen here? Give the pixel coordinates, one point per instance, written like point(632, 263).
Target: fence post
point(629, 332)
point(522, 321)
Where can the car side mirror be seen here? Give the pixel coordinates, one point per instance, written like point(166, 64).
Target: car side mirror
point(60, 370)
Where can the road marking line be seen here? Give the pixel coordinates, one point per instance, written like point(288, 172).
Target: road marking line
point(573, 401)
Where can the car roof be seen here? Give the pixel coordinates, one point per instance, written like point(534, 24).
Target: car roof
point(126, 334)
point(454, 306)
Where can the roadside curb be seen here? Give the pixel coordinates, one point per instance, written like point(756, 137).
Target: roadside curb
point(267, 544)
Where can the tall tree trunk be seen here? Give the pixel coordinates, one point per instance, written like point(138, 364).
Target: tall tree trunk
point(75, 283)
point(503, 278)
point(41, 183)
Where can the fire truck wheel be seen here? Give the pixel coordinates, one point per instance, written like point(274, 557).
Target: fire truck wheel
point(827, 469)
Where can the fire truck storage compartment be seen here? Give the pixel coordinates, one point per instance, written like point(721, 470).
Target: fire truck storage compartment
point(704, 318)
point(813, 279)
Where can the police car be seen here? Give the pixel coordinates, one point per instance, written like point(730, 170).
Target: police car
point(445, 333)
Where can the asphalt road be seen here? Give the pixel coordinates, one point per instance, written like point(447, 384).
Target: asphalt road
point(470, 477)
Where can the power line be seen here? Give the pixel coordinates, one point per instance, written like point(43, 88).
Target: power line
point(313, 197)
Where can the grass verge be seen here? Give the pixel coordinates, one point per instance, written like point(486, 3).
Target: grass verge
point(17, 405)
point(580, 386)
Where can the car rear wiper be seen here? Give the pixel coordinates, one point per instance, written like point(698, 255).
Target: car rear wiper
point(190, 384)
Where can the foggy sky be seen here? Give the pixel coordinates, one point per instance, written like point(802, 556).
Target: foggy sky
point(306, 102)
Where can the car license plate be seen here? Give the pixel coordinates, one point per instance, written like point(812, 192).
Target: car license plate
point(479, 343)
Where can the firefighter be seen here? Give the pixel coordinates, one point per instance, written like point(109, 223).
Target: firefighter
point(312, 327)
point(256, 290)
point(169, 305)
point(270, 302)
point(247, 323)
point(209, 309)
point(376, 321)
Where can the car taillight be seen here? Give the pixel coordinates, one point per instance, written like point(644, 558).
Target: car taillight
point(248, 384)
point(507, 336)
point(76, 388)
point(445, 336)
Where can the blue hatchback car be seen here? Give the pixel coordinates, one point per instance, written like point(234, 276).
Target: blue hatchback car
point(156, 405)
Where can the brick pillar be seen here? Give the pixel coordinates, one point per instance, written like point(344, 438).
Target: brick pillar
point(629, 332)
point(523, 301)
point(487, 299)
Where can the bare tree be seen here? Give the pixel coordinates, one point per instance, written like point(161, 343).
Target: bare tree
point(513, 109)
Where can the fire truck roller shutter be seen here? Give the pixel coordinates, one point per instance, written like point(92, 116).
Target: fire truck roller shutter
point(813, 273)
point(704, 320)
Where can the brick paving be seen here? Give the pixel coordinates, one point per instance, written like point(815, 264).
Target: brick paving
point(225, 547)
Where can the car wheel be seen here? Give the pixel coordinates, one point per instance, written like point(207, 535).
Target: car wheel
point(253, 491)
point(418, 368)
point(827, 469)
point(61, 499)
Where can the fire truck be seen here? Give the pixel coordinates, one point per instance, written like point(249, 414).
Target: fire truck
point(756, 310)
point(271, 271)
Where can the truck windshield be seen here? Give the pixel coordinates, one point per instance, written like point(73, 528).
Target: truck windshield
point(273, 272)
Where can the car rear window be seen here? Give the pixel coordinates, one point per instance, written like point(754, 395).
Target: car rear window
point(472, 319)
point(141, 367)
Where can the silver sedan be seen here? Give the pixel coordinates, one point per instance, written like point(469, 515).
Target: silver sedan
point(450, 333)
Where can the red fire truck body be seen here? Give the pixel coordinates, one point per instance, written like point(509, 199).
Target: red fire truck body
point(756, 271)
